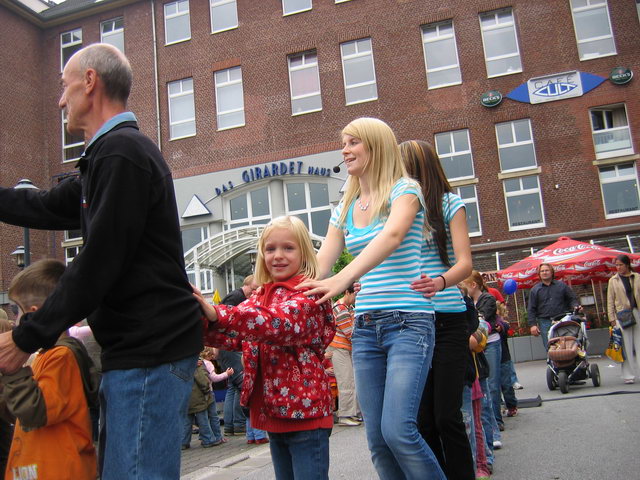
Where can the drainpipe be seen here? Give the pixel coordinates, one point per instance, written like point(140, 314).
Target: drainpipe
point(155, 71)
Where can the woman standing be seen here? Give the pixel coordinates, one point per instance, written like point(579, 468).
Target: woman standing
point(446, 260)
point(381, 220)
point(623, 295)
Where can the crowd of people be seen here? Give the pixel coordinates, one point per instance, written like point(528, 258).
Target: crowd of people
point(417, 343)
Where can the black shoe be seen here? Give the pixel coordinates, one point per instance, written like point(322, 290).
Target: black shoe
point(185, 447)
point(228, 431)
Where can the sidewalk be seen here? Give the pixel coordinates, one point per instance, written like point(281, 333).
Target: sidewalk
point(589, 433)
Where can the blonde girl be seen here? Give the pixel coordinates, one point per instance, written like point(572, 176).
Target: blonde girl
point(283, 334)
point(381, 220)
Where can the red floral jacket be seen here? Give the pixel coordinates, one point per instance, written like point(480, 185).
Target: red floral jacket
point(283, 334)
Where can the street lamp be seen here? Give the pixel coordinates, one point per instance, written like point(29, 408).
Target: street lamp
point(23, 184)
point(253, 255)
point(18, 256)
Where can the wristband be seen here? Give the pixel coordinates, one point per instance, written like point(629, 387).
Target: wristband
point(444, 282)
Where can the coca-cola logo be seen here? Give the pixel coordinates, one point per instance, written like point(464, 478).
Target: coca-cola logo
point(573, 248)
point(593, 263)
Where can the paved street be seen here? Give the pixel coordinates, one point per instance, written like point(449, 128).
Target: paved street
point(589, 433)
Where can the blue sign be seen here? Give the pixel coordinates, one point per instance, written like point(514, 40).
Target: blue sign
point(557, 86)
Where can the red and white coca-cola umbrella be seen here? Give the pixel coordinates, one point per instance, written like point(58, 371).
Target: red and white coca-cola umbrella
point(573, 261)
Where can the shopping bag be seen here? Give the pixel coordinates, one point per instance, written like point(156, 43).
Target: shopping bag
point(614, 350)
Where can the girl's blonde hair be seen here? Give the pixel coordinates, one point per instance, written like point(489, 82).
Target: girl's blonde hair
point(308, 263)
point(384, 165)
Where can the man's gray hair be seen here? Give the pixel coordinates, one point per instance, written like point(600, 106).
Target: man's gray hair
point(112, 67)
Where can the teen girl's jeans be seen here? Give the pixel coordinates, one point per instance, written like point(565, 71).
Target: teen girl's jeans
point(392, 353)
point(493, 353)
point(301, 455)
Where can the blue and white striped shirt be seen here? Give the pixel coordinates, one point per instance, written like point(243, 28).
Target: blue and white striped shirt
point(387, 286)
point(450, 299)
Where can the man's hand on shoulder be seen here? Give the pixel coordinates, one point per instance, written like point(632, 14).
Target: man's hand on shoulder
point(11, 357)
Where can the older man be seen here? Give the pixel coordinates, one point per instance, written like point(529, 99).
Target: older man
point(129, 277)
point(548, 299)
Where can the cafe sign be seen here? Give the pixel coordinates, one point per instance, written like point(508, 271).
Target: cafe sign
point(620, 75)
point(557, 86)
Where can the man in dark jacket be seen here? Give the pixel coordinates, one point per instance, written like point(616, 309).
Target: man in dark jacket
point(129, 277)
point(234, 418)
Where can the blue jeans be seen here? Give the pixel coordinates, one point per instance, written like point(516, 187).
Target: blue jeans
point(493, 353)
point(301, 455)
point(514, 375)
point(214, 420)
point(467, 418)
point(392, 353)
point(204, 428)
point(234, 419)
point(142, 416)
point(488, 421)
point(506, 384)
point(545, 325)
point(254, 433)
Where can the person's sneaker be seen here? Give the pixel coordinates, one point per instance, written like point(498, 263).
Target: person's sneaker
point(629, 381)
point(517, 386)
point(209, 445)
point(348, 422)
point(497, 444)
point(261, 441)
point(185, 447)
point(512, 412)
point(501, 427)
point(251, 442)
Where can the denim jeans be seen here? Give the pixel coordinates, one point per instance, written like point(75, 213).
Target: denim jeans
point(204, 428)
point(467, 418)
point(392, 353)
point(142, 416)
point(488, 421)
point(214, 420)
point(439, 418)
point(545, 325)
point(234, 418)
point(493, 353)
point(301, 455)
point(506, 384)
point(514, 375)
point(254, 433)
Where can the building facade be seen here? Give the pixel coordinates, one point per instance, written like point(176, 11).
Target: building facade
point(531, 105)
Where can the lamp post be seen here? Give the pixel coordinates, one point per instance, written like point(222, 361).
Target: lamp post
point(253, 255)
point(18, 255)
point(25, 183)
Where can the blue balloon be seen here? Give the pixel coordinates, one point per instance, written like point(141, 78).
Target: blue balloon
point(510, 286)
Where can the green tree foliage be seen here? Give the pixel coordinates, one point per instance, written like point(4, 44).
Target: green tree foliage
point(344, 260)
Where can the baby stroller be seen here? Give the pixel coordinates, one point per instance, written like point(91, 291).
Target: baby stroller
point(567, 362)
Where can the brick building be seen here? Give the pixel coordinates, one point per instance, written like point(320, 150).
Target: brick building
point(247, 99)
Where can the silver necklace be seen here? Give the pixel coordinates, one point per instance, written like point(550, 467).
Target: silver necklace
point(362, 207)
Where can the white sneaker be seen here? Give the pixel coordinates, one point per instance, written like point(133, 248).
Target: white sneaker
point(348, 422)
point(497, 445)
point(517, 386)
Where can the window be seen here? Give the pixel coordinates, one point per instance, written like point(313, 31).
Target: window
point(470, 199)
point(593, 28)
point(524, 202)
point(610, 129)
point(250, 208)
point(224, 15)
point(112, 32)
point(72, 244)
point(515, 145)
point(455, 156)
point(176, 22)
point(229, 98)
point(358, 71)
point(310, 203)
point(182, 113)
point(290, 7)
point(441, 55)
point(501, 53)
point(70, 43)
point(304, 81)
point(619, 185)
point(70, 253)
point(637, 8)
point(72, 145)
point(193, 236)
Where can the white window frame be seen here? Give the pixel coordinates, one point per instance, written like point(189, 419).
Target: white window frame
point(358, 53)
point(227, 83)
point(306, 65)
point(250, 219)
point(309, 209)
point(293, 12)
point(471, 201)
point(75, 32)
point(179, 13)
point(213, 4)
point(613, 153)
point(638, 8)
point(499, 25)
point(520, 192)
point(343, 1)
point(618, 178)
point(183, 92)
point(516, 143)
point(66, 147)
point(440, 38)
point(454, 152)
point(104, 37)
point(594, 6)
